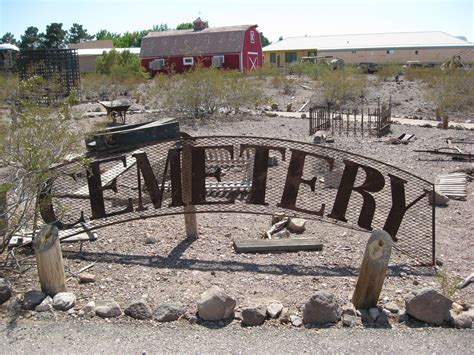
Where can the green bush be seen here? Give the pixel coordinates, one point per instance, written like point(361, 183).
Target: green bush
point(314, 70)
point(9, 88)
point(388, 71)
point(341, 85)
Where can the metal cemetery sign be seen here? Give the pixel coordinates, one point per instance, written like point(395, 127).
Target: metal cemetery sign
point(245, 175)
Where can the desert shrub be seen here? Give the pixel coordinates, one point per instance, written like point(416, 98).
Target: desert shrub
point(339, 86)
point(388, 71)
point(30, 145)
point(240, 91)
point(313, 70)
point(9, 88)
point(452, 91)
point(285, 84)
point(448, 283)
point(264, 72)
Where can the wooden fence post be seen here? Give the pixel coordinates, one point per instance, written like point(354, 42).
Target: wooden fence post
point(373, 270)
point(49, 260)
point(190, 220)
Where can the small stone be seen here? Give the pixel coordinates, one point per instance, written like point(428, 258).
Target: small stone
point(168, 312)
point(285, 315)
point(86, 277)
point(32, 298)
point(321, 308)
point(462, 321)
point(138, 310)
point(350, 321)
point(253, 316)
point(270, 114)
point(71, 312)
point(392, 307)
point(274, 106)
point(457, 308)
point(289, 107)
point(303, 115)
point(319, 137)
point(296, 320)
point(150, 240)
point(402, 316)
point(89, 307)
point(64, 301)
point(283, 234)
point(350, 310)
point(215, 304)
point(5, 290)
point(374, 313)
point(45, 306)
point(382, 319)
point(416, 282)
point(274, 309)
point(277, 217)
point(297, 225)
point(108, 309)
point(470, 313)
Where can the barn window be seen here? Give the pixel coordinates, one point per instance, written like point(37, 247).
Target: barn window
point(273, 58)
point(290, 57)
point(157, 64)
point(218, 61)
point(390, 51)
point(188, 61)
point(252, 36)
point(417, 52)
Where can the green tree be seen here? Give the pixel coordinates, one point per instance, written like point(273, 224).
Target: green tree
point(8, 38)
point(31, 39)
point(185, 26)
point(78, 34)
point(104, 34)
point(264, 40)
point(160, 28)
point(55, 36)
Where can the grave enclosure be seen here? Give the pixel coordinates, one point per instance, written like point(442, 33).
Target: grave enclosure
point(255, 175)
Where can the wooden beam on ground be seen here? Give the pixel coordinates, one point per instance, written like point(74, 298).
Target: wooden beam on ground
point(373, 270)
point(49, 260)
point(276, 245)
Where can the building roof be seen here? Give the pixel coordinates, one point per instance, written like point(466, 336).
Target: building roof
point(8, 47)
point(101, 43)
point(229, 39)
point(370, 41)
point(99, 51)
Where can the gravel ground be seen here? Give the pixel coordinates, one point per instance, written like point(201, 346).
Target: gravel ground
point(77, 338)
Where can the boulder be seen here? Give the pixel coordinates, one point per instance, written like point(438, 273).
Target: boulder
point(63, 301)
point(253, 316)
point(462, 321)
point(321, 308)
point(108, 309)
point(45, 306)
point(215, 304)
point(5, 290)
point(274, 309)
point(429, 306)
point(138, 310)
point(297, 225)
point(31, 299)
point(168, 312)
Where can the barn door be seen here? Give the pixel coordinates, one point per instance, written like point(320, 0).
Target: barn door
point(252, 61)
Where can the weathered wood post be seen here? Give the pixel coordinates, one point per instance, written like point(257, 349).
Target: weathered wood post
point(190, 221)
point(373, 270)
point(49, 260)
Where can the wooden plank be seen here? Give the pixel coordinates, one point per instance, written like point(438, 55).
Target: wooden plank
point(372, 271)
point(276, 245)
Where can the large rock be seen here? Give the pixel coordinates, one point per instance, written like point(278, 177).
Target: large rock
point(108, 309)
point(254, 315)
point(138, 310)
point(31, 299)
point(321, 308)
point(5, 290)
point(215, 304)
point(168, 312)
point(63, 301)
point(429, 306)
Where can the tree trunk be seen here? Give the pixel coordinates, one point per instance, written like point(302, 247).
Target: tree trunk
point(49, 260)
point(373, 270)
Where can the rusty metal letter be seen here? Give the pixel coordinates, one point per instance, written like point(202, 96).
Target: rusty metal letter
point(154, 190)
point(96, 190)
point(374, 182)
point(45, 203)
point(294, 178)
point(260, 169)
point(399, 207)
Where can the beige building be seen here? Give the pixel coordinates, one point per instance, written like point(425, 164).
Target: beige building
point(397, 48)
point(89, 51)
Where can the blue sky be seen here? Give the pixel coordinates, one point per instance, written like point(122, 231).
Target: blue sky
point(275, 18)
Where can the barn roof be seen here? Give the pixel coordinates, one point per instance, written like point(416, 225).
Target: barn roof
point(229, 39)
point(428, 39)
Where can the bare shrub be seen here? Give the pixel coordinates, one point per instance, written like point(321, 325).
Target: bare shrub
point(285, 84)
point(341, 85)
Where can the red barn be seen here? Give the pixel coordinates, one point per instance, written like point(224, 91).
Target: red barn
point(230, 47)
